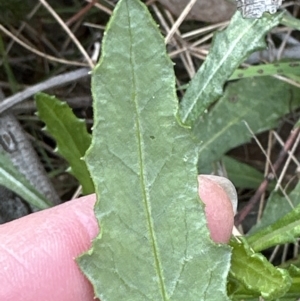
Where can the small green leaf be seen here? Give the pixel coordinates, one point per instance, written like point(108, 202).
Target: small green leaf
point(228, 51)
point(154, 243)
point(70, 135)
point(12, 179)
point(256, 273)
point(285, 230)
point(258, 102)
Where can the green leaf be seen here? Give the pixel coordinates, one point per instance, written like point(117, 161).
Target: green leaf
point(256, 273)
point(294, 290)
point(12, 179)
point(229, 49)
point(277, 206)
point(290, 21)
point(283, 68)
point(285, 230)
point(70, 134)
point(258, 102)
point(154, 243)
point(240, 174)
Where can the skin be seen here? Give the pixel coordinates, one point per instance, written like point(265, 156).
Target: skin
point(37, 251)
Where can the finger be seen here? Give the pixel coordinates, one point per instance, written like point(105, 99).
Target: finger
point(218, 206)
point(37, 253)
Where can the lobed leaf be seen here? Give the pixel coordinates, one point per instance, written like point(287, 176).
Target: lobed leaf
point(70, 134)
point(256, 273)
point(229, 49)
point(154, 243)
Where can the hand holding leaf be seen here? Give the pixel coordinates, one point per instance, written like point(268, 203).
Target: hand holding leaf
point(154, 241)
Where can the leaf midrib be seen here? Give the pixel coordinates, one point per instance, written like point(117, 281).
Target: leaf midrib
point(146, 198)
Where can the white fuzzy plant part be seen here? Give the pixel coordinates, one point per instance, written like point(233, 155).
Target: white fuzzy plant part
point(256, 8)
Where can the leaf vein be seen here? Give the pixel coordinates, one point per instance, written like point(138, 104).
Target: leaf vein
point(141, 158)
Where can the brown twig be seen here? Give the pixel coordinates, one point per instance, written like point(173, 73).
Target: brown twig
point(180, 19)
point(69, 32)
point(101, 7)
point(39, 53)
point(263, 186)
point(81, 13)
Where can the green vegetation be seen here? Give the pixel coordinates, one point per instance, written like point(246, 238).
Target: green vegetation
point(148, 144)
